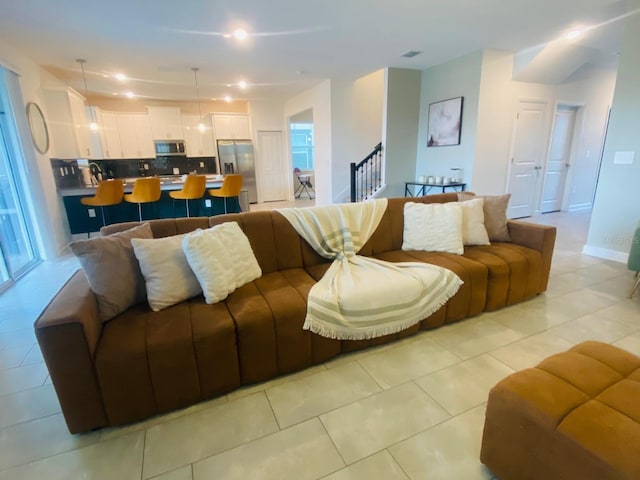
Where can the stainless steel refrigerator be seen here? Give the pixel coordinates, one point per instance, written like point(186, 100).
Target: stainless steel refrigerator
point(236, 156)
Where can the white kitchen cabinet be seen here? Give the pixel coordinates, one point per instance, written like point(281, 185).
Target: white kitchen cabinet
point(127, 135)
point(68, 124)
point(198, 143)
point(231, 126)
point(144, 137)
point(112, 147)
point(166, 123)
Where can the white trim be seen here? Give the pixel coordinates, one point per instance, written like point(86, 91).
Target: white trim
point(605, 253)
point(580, 207)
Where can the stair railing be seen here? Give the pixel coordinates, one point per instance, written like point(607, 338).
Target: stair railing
point(366, 176)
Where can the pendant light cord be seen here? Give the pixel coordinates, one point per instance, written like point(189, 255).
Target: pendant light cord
point(195, 75)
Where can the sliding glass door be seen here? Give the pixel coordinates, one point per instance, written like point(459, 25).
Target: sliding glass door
point(17, 253)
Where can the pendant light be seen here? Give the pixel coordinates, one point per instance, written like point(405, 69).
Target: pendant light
point(201, 126)
point(92, 125)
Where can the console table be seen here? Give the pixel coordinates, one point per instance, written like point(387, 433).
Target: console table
point(425, 188)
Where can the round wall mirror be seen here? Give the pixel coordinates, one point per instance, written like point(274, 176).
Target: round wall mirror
point(38, 127)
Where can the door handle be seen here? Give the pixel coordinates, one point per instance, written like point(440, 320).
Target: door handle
point(537, 167)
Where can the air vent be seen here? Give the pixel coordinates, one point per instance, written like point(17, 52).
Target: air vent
point(411, 54)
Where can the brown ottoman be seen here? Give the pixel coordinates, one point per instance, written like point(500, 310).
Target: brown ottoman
point(574, 416)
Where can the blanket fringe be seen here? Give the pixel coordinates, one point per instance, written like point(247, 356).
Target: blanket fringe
point(380, 331)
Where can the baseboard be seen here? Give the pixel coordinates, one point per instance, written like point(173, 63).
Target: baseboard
point(580, 207)
point(605, 253)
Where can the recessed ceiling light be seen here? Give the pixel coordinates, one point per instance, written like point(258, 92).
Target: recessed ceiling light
point(130, 94)
point(227, 99)
point(574, 34)
point(243, 84)
point(240, 34)
point(121, 77)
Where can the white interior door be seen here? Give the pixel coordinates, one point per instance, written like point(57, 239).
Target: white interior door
point(273, 166)
point(526, 157)
point(555, 177)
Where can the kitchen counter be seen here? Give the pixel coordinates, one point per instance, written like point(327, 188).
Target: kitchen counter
point(167, 182)
point(83, 219)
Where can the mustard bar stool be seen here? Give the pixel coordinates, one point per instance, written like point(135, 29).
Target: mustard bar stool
point(193, 189)
point(231, 186)
point(145, 190)
point(109, 192)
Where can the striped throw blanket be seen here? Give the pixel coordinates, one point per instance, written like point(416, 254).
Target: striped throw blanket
point(361, 297)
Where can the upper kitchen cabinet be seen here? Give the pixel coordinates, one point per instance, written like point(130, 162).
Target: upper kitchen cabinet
point(199, 143)
point(68, 124)
point(166, 123)
point(231, 126)
point(136, 139)
point(111, 146)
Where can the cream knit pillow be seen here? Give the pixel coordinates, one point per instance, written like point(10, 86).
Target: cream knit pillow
point(221, 259)
point(473, 230)
point(433, 227)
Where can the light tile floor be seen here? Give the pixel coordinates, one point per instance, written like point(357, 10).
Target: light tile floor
point(409, 410)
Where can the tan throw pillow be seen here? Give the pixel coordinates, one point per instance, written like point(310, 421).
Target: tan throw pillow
point(112, 270)
point(433, 227)
point(495, 214)
point(473, 229)
point(168, 277)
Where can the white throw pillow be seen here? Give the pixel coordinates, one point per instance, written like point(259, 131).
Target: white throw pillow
point(167, 274)
point(433, 227)
point(473, 230)
point(222, 260)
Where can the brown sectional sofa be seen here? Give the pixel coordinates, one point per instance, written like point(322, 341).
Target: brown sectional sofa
point(142, 362)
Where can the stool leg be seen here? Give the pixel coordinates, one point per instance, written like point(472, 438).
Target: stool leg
point(140, 212)
point(225, 204)
point(187, 200)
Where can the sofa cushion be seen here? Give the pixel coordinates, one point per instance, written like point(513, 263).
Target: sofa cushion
point(112, 270)
point(167, 275)
point(148, 362)
point(433, 228)
point(221, 259)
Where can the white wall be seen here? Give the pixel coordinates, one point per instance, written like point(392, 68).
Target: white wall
point(495, 121)
point(457, 78)
point(45, 205)
point(491, 96)
point(356, 116)
point(400, 124)
point(318, 99)
point(616, 211)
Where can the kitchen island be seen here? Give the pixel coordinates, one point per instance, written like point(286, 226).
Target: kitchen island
point(84, 219)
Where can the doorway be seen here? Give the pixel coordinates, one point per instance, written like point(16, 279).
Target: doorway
point(301, 142)
point(558, 163)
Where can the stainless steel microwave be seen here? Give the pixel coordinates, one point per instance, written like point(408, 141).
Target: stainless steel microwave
point(169, 147)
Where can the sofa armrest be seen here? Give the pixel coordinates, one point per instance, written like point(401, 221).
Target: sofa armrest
point(68, 331)
point(537, 237)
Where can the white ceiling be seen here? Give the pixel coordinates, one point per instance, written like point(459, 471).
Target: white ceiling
point(292, 44)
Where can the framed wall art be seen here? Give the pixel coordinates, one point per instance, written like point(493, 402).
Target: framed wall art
point(445, 123)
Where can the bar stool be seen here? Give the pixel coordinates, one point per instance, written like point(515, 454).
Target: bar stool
point(145, 190)
point(193, 188)
point(231, 186)
point(109, 192)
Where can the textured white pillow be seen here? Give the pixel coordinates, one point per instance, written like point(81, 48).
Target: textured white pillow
point(222, 260)
point(473, 230)
point(433, 227)
point(167, 274)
